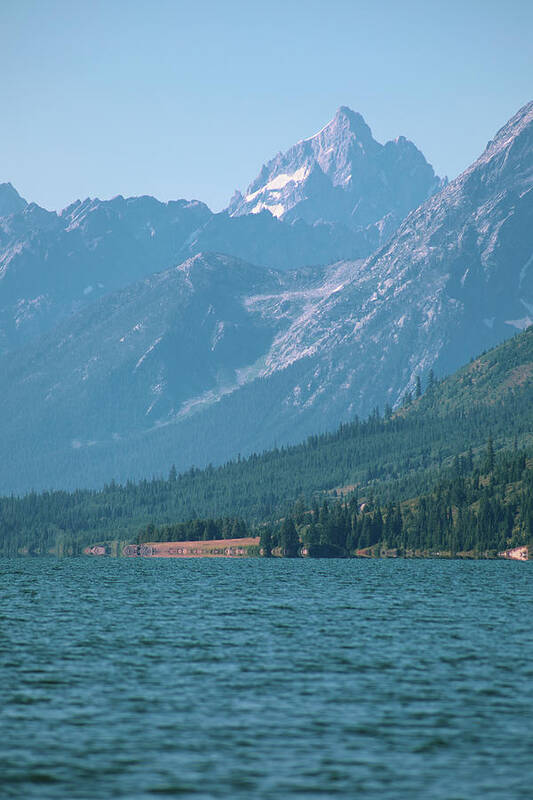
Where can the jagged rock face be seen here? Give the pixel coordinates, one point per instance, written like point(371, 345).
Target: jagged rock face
point(456, 278)
point(476, 239)
point(341, 174)
point(218, 357)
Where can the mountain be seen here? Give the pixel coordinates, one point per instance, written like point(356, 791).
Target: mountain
point(142, 359)
point(342, 175)
point(138, 357)
point(264, 240)
point(10, 200)
point(52, 265)
point(393, 459)
point(473, 243)
point(217, 356)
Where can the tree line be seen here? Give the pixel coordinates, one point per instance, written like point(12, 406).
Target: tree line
point(473, 509)
point(389, 457)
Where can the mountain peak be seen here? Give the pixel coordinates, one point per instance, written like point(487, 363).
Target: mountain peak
point(344, 123)
point(354, 119)
point(340, 175)
point(10, 200)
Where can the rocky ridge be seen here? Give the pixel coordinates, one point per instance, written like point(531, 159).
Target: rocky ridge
point(342, 174)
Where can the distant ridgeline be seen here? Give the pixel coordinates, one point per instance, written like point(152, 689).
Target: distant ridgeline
point(422, 479)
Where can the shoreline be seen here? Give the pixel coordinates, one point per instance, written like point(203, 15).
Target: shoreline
point(249, 547)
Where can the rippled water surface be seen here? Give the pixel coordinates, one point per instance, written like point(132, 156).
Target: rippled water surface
point(266, 679)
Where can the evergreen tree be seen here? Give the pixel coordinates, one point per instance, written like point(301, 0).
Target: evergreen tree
point(289, 540)
point(489, 456)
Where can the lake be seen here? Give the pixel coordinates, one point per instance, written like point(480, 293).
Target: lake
point(266, 678)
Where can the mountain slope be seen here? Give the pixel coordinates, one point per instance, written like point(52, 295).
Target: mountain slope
point(219, 357)
point(159, 343)
point(392, 459)
point(10, 200)
point(51, 265)
point(341, 174)
point(476, 235)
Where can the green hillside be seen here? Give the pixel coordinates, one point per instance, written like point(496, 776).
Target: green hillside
point(474, 509)
point(393, 455)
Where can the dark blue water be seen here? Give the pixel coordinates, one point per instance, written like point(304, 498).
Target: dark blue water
point(266, 679)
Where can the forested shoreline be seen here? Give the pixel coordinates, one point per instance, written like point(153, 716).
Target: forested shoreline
point(421, 468)
point(474, 511)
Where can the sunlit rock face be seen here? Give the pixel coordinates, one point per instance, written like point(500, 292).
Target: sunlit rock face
point(342, 175)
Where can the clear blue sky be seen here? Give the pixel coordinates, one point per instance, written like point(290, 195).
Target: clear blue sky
point(188, 99)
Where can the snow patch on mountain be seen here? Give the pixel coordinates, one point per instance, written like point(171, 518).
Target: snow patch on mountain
point(341, 175)
point(277, 209)
point(279, 182)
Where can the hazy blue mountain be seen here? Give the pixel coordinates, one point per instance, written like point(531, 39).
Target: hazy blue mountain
point(10, 200)
point(342, 174)
point(267, 241)
point(217, 357)
point(51, 265)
